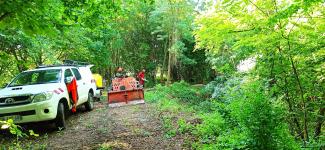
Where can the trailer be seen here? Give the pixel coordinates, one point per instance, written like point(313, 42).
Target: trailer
point(125, 91)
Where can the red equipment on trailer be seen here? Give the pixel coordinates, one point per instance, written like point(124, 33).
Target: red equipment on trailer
point(125, 91)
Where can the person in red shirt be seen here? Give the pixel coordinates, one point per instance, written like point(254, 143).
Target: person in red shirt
point(141, 78)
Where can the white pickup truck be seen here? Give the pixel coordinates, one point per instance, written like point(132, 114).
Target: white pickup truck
point(41, 94)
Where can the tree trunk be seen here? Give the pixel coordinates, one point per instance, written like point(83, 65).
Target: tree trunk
point(20, 65)
point(162, 71)
point(294, 117)
point(287, 98)
point(306, 138)
point(169, 69)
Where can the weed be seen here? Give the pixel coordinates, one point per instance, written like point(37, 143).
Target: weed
point(60, 129)
point(103, 130)
point(168, 126)
point(239, 116)
point(114, 145)
point(146, 133)
point(90, 125)
point(18, 132)
point(183, 126)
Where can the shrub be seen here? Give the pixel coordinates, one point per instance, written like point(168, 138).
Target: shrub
point(240, 116)
point(168, 126)
point(180, 91)
point(206, 106)
point(259, 119)
point(16, 130)
point(156, 95)
point(212, 126)
point(184, 126)
point(184, 92)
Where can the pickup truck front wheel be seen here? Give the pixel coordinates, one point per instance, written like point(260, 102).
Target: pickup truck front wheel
point(90, 102)
point(60, 117)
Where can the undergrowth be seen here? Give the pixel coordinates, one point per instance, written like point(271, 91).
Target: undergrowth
point(20, 134)
point(225, 114)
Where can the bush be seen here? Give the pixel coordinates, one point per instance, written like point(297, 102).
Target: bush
point(259, 119)
point(240, 116)
point(180, 91)
point(212, 126)
point(184, 93)
point(206, 106)
point(184, 126)
point(170, 130)
point(159, 93)
point(17, 131)
point(218, 81)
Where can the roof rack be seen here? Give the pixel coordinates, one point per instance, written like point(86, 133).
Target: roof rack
point(75, 63)
point(47, 66)
point(66, 63)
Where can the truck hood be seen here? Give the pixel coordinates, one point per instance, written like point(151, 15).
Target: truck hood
point(28, 89)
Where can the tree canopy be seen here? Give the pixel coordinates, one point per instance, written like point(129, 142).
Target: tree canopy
point(192, 40)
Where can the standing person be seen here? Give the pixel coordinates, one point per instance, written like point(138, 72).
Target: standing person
point(141, 78)
point(120, 72)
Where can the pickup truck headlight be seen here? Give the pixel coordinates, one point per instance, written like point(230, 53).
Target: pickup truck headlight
point(42, 97)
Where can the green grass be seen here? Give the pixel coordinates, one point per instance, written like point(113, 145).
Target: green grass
point(175, 107)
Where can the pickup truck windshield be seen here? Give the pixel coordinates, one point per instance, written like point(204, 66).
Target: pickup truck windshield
point(37, 77)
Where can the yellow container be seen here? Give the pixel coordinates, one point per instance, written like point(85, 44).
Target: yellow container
point(99, 80)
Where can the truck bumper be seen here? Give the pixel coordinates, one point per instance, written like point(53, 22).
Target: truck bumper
point(33, 112)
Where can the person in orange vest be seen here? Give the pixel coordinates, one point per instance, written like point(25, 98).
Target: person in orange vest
point(141, 77)
point(73, 93)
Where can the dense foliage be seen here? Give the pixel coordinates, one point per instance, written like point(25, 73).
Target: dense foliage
point(286, 41)
point(244, 119)
point(275, 102)
point(17, 131)
point(131, 34)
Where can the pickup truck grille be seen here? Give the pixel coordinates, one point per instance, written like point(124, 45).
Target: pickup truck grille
point(15, 100)
point(22, 113)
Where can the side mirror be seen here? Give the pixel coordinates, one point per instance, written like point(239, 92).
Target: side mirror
point(68, 80)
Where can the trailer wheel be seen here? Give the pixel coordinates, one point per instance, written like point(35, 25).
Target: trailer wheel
point(60, 117)
point(90, 102)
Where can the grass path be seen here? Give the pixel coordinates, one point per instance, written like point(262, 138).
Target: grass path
point(129, 127)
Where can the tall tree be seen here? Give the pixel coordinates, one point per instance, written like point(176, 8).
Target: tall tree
point(173, 19)
point(286, 40)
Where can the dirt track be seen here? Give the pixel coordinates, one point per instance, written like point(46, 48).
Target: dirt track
point(128, 127)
